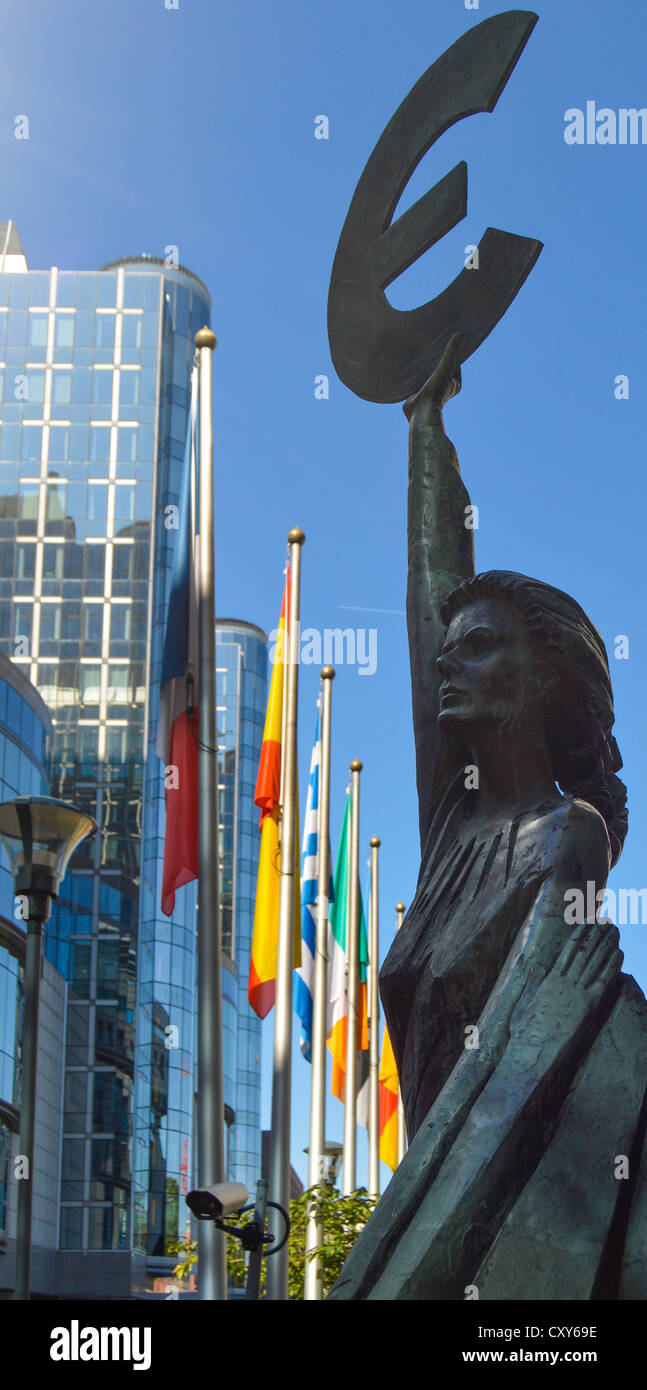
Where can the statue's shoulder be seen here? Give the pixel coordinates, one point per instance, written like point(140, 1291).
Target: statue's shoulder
point(577, 838)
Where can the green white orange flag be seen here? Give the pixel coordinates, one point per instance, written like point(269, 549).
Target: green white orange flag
point(262, 966)
point(338, 996)
point(388, 1092)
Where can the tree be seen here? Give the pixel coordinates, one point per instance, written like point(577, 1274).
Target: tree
point(342, 1218)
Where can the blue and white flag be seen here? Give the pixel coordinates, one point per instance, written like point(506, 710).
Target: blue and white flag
point(304, 976)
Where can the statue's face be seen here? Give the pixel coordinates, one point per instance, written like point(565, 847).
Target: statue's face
point(488, 668)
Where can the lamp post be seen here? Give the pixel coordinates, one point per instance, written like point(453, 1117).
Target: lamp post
point(39, 835)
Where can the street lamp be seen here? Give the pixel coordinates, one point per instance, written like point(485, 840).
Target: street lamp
point(330, 1162)
point(39, 835)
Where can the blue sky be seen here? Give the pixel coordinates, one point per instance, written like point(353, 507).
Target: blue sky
point(195, 127)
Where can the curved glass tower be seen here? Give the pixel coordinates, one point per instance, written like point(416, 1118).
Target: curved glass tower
point(94, 400)
point(25, 727)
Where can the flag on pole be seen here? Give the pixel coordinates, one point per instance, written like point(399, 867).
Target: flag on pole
point(177, 725)
point(388, 1083)
point(338, 993)
point(363, 1062)
point(304, 976)
point(262, 966)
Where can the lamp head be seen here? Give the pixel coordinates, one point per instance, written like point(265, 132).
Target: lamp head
point(39, 835)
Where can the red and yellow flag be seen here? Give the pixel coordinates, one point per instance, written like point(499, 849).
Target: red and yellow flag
point(388, 1083)
point(262, 966)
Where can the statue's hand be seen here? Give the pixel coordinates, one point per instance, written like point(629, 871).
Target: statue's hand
point(585, 968)
point(439, 388)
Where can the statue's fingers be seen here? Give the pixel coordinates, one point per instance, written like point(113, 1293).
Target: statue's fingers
point(451, 351)
point(607, 971)
point(449, 367)
point(605, 953)
point(446, 372)
point(569, 951)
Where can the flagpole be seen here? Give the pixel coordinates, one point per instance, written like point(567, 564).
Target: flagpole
point(374, 1029)
point(352, 957)
point(277, 1269)
point(212, 1274)
point(284, 659)
point(402, 1131)
point(313, 1284)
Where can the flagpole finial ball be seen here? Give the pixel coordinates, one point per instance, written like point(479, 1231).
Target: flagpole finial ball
point(205, 338)
point(356, 765)
point(296, 536)
point(400, 907)
point(327, 673)
point(375, 842)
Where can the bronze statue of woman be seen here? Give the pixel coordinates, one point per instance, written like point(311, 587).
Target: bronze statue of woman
point(520, 1046)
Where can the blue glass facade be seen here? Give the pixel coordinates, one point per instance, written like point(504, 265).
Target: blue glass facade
point(94, 380)
point(165, 1073)
point(24, 730)
point(94, 399)
point(241, 689)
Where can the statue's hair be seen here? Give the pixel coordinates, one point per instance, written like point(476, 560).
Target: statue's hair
point(579, 713)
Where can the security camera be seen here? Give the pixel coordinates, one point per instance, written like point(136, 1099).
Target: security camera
point(212, 1203)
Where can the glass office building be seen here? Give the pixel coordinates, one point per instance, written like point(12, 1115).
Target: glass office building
point(94, 401)
point(95, 370)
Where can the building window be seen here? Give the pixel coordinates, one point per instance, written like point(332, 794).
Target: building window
point(71, 1237)
point(59, 443)
point(107, 969)
point(110, 1103)
point(50, 625)
point(131, 331)
point(61, 386)
point(80, 971)
point(100, 444)
point(25, 561)
point(64, 331)
point(124, 502)
point(127, 444)
point(37, 336)
point(90, 685)
point(5, 1150)
point(78, 1022)
point(97, 502)
point(72, 1169)
point(102, 386)
point(53, 554)
point(30, 446)
point(105, 330)
point(75, 1100)
point(109, 1224)
point(92, 628)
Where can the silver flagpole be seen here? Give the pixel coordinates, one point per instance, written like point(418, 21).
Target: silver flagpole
point(374, 1029)
point(402, 1131)
point(277, 1268)
point(313, 1283)
point(212, 1274)
point(352, 954)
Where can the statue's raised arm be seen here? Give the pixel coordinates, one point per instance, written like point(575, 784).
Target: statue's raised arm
point(440, 557)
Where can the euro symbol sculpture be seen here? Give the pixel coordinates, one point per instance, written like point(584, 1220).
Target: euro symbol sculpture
point(385, 354)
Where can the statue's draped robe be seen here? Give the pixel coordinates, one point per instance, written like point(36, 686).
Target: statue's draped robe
point(525, 1194)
